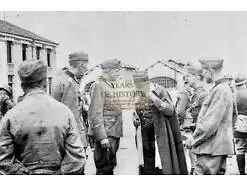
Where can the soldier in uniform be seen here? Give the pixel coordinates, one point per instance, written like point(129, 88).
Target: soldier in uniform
point(240, 114)
point(39, 135)
point(196, 82)
point(143, 116)
point(66, 87)
point(6, 102)
point(212, 140)
point(183, 101)
point(159, 124)
point(105, 119)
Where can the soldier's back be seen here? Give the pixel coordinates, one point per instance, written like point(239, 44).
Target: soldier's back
point(39, 125)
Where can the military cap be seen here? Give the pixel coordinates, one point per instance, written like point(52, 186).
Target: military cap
point(194, 67)
point(212, 62)
point(111, 64)
point(240, 80)
point(7, 88)
point(78, 56)
point(32, 71)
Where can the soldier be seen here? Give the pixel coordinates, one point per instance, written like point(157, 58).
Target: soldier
point(66, 87)
point(212, 139)
point(39, 135)
point(167, 132)
point(143, 116)
point(5, 99)
point(183, 102)
point(196, 82)
point(163, 151)
point(105, 119)
point(240, 115)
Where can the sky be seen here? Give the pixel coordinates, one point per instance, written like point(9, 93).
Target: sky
point(142, 38)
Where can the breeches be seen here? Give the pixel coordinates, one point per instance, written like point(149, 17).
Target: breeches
point(106, 160)
point(210, 165)
point(240, 146)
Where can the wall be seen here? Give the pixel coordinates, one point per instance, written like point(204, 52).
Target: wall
point(3, 62)
point(12, 69)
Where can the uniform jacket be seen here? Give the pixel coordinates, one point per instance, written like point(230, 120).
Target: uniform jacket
point(105, 119)
point(39, 136)
point(168, 136)
point(241, 100)
point(182, 106)
point(66, 91)
point(5, 104)
point(197, 100)
point(213, 134)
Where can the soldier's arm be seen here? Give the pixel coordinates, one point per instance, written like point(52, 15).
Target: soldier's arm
point(95, 113)
point(210, 121)
point(198, 104)
point(164, 105)
point(74, 160)
point(9, 164)
point(9, 103)
point(57, 90)
point(61, 89)
point(182, 103)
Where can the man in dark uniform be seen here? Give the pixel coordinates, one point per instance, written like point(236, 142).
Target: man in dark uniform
point(6, 102)
point(143, 116)
point(39, 135)
point(105, 119)
point(212, 140)
point(66, 87)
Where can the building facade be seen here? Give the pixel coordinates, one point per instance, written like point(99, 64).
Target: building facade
point(18, 45)
point(168, 74)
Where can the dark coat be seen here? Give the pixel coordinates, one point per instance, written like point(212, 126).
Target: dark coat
point(168, 136)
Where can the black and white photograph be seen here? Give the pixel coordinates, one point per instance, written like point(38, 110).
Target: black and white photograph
point(123, 92)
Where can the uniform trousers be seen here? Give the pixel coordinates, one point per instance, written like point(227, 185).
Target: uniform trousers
point(106, 160)
point(210, 165)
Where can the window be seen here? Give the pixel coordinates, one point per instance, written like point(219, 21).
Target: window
point(10, 80)
point(24, 52)
point(164, 81)
point(49, 84)
point(38, 49)
point(9, 51)
point(49, 57)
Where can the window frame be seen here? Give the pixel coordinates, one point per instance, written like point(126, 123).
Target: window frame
point(9, 52)
point(24, 49)
point(38, 50)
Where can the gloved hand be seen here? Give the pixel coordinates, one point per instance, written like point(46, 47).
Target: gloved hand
point(105, 144)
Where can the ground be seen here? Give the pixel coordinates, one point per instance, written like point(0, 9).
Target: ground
point(127, 155)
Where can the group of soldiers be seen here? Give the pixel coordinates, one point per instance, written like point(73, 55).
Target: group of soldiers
point(44, 134)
